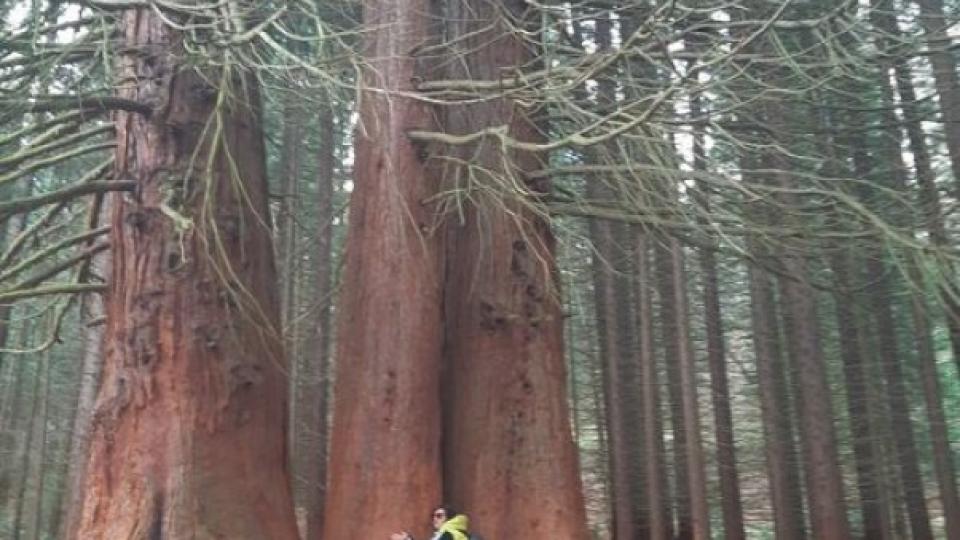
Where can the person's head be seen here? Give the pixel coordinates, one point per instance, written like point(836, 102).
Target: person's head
point(441, 514)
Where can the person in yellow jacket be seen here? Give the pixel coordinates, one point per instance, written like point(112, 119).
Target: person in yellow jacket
point(450, 524)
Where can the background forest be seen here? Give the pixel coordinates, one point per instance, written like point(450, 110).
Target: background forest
point(678, 269)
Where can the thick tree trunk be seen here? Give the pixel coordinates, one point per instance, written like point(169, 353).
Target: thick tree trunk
point(189, 429)
point(385, 463)
point(510, 459)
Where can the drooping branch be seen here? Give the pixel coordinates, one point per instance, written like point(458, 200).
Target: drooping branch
point(79, 189)
point(51, 251)
point(53, 160)
point(44, 275)
point(37, 148)
point(54, 103)
point(7, 297)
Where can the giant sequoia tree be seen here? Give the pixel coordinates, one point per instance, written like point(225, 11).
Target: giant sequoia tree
point(385, 445)
point(188, 435)
point(509, 455)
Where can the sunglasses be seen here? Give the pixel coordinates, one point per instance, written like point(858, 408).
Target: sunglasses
point(439, 515)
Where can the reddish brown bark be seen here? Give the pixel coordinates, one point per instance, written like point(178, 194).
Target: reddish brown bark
point(510, 460)
point(188, 437)
point(385, 467)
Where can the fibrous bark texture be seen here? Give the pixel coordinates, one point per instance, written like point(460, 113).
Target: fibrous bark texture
point(385, 467)
point(509, 455)
point(188, 437)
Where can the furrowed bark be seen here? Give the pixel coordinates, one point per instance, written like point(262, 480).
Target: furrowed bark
point(189, 429)
point(510, 462)
point(385, 443)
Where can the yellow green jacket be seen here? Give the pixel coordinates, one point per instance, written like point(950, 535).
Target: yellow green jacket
point(455, 528)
